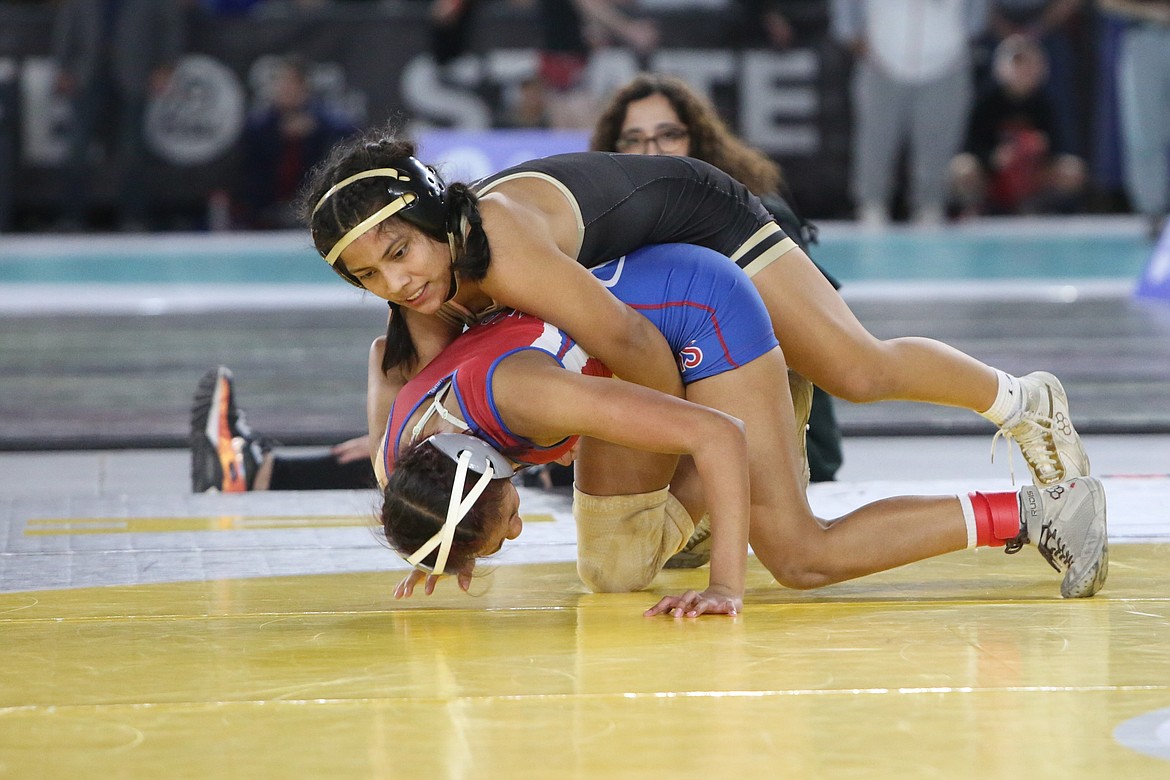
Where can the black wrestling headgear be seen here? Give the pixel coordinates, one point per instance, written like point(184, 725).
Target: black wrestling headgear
point(417, 194)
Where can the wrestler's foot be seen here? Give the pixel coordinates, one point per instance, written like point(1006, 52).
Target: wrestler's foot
point(225, 453)
point(1045, 434)
point(1066, 522)
point(697, 550)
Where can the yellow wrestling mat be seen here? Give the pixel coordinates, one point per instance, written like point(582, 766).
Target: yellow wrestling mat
point(967, 666)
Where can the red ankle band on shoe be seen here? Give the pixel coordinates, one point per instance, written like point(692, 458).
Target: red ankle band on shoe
point(997, 517)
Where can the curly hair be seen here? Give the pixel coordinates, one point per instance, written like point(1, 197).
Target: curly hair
point(386, 147)
point(414, 507)
point(710, 139)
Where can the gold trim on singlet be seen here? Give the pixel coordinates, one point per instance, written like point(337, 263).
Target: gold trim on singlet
point(556, 183)
point(769, 256)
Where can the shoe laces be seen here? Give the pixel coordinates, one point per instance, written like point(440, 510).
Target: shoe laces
point(1053, 548)
point(1015, 544)
point(1033, 435)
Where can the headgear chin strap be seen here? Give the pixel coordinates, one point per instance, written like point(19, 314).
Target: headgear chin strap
point(470, 453)
point(436, 407)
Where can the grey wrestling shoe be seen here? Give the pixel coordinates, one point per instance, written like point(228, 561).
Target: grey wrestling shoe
point(1066, 522)
point(697, 550)
point(225, 453)
point(1045, 435)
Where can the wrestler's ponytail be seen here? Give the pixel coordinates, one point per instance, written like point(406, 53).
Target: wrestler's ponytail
point(399, 345)
point(472, 253)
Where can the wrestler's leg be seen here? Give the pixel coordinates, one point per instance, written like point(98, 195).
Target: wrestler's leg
point(798, 549)
point(605, 469)
point(824, 341)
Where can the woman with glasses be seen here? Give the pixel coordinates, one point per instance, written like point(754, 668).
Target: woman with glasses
point(671, 139)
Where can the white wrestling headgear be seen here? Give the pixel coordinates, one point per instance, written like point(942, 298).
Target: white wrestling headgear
point(470, 453)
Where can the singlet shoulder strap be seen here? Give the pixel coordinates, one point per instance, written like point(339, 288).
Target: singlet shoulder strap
point(457, 314)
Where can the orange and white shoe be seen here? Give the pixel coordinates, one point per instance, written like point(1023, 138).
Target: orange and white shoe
point(225, 453)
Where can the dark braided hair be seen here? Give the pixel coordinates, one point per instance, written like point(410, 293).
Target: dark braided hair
point(415, 503)
point(440, 212)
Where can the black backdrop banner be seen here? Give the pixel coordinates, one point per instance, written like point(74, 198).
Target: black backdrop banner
point(374, 64)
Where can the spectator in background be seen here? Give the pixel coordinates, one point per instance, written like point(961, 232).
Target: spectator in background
point(570, 30)
point(764, 24)
point(112, 56)
point(451, 23)
point(557, 96)
point(1016, 159)
point(526, 106)
point(912, 75)
point(655, 114)
point(1047, 22)
point(777, 24)
point(281, 142)
point(1143, 95)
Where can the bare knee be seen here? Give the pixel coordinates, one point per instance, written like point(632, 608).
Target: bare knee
point(857, 387)
point(799, 561)
point(801, 574)
point(865, 376)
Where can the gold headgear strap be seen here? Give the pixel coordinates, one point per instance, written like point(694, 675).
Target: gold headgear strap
point(358, 230)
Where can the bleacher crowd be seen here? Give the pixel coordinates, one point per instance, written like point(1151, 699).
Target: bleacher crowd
point(951, 109)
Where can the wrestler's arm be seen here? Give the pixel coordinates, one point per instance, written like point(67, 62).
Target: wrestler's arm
point(530, 273)
point(543, 402)
point(430, 336)
point(381, 390)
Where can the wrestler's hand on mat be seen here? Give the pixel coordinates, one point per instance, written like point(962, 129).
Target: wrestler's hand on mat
point(713, 601)
point(405, 588)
